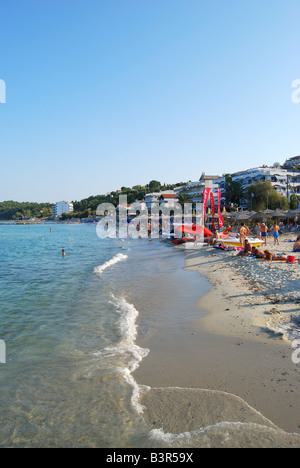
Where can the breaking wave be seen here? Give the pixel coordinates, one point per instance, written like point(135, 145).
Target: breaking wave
point(113, 261)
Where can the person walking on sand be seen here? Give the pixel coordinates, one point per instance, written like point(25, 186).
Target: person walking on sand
point(276, 230)
point(244, 231)
point(264, 232)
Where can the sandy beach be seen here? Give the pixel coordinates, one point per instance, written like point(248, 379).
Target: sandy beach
point(226, 379)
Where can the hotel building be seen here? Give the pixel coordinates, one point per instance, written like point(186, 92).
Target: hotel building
point(61, 207)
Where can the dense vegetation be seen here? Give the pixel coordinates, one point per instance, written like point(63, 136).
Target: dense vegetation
point(24, 210)
point(88, 206)
point(259, 196)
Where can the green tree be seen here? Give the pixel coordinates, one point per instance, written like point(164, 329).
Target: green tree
point(294, 201)
point(263, 195)
point(235, 192)
point(18, 210)
point(154, 186)
point(184, 198)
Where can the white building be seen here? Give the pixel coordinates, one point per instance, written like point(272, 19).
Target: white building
point(61, 207)
point(151, 198)
point(292, 162)
point(167, 197)
point(195, 189)
point(284, 181)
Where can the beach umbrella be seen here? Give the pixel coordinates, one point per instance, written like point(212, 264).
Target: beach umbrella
point(260, 215)
point(267, 211)
point(278, 213)
point(226, 214)
point(291, 214)
point(241, 215)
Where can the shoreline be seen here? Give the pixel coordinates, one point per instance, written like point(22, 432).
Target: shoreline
point(230, 349)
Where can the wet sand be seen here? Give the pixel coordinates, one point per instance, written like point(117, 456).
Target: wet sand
point(232, 349)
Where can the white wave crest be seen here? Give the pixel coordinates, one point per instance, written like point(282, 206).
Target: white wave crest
point(127, 348)
point(228, 435)
point(113, 261)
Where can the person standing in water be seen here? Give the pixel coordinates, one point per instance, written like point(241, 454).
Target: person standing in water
point(63, 252)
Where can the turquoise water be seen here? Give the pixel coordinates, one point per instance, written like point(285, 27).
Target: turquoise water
point(70, 326)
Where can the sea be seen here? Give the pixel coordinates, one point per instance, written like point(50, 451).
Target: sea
point(71, 325)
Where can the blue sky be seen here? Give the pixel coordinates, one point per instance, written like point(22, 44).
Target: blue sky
point(106, 93)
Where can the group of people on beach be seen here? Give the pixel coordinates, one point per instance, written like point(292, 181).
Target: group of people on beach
point(261, 232)
point(249, 250)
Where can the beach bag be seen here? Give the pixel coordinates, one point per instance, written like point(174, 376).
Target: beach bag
point(291, 259)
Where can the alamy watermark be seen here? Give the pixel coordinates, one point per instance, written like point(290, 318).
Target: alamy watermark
point(296, 93)
point(137, 221)
point(2, 352)
point(2, 92)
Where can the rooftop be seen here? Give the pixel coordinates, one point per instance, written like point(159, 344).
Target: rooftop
point(295, 157)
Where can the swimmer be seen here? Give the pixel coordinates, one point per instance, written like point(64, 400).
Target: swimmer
point(63, 252)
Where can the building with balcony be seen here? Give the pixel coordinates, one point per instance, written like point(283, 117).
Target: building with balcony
point(168, 198)
point(284, 181)
point(62, 207)
point(195, 189)
point(292, 162)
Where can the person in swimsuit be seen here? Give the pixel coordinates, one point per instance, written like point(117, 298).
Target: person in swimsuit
point(258, 253)
point(257, 228)
point(247, 250)
point(276, 257)
point(264, 232)
point(244, 231)
point(276, 230)
point(296, 247)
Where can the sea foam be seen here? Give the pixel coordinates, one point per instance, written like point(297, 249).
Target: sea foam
point(128, 328)
point(126, 351)
point(113, 261)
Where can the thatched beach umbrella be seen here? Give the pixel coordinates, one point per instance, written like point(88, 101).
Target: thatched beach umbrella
point(226, 214)
point(261, 215)
point(241, 215)
point(268, 211)
point(291, 214)
point(278, 214)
